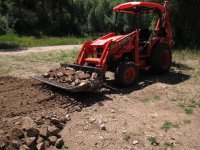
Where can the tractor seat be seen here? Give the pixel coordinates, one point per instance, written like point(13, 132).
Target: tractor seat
point(144, 34)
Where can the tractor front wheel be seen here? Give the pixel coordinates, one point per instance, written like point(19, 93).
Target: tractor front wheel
point(126, 74)
point(161, 59)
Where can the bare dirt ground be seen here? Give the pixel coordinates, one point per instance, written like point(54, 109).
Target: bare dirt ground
point(20, 51)
point(158, 113)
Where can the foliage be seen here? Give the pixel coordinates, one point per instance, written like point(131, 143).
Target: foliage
point(79, 17)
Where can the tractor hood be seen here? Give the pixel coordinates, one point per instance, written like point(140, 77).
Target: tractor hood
point(103, 41)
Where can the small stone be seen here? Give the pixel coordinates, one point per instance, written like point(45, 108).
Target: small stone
point(94, 76)
point(32, 132)
point(17, 123)
point(24, 147)
point(1, 83)
point(39, 121)
point(68, 117)
point(3, 143)
point(64, 106)
point(16, 144)
point(54, 120)
point(112, 111)
point(69, 72)
point(39, 140)
point(84, 76)
point(47, 144)
point(46, 75)
point(43, 131)
point(73, 84)
point(59, 143)
point(92, 120)
point(53, 130)
point(28, 123)
point(77, 82)
point(41, 146)
point(52, 140)
point(59, 74)
point(18, 133)
point(2, 132)
point(30, 141)
point(154, 115)
point(102, 127)
point(63, 120)
point(77, 108)
point(83, 84)
point(135, 142)
point(60, 125)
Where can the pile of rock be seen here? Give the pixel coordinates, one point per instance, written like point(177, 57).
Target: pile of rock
point(35, 137)
point(70, 76)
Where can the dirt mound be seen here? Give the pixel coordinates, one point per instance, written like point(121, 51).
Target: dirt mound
point(22, 97)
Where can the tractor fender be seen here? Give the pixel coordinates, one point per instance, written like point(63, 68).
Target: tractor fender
point(153, 43)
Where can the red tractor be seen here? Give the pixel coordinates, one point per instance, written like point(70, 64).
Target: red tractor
point(126, 54)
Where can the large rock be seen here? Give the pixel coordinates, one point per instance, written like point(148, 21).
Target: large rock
point(28, 123)
point(53, 140)
point(59, 143)
point(17, 133)
point(53, 130)
point(43, 131)
point(32, 132)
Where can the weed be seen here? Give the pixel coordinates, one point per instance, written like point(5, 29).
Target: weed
point(153, 141)
point(187, 121)
point(168, 125)
point(169, 145)
point(126, 137)
point(189, 110)
point(156, 97)
point(145, 100)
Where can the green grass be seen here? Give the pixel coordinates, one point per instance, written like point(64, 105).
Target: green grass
point(156, 97)
point(185, 54)
point(168, 125)
point(31, 61)
point(11, 40)
point(189, 106)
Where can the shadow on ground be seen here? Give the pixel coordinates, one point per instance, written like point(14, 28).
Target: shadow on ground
point(10, 47)
point(146, 78)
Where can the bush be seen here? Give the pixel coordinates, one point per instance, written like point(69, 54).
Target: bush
point(3, 25)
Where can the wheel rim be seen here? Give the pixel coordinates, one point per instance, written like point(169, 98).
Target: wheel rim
point(129, 75)
point(166, 59)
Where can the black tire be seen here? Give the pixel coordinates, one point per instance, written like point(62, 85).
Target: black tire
point(161, 59)
point(126, 74)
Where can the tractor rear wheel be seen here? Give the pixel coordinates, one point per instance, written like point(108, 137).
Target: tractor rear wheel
point(161, 59)
point(126, 73)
